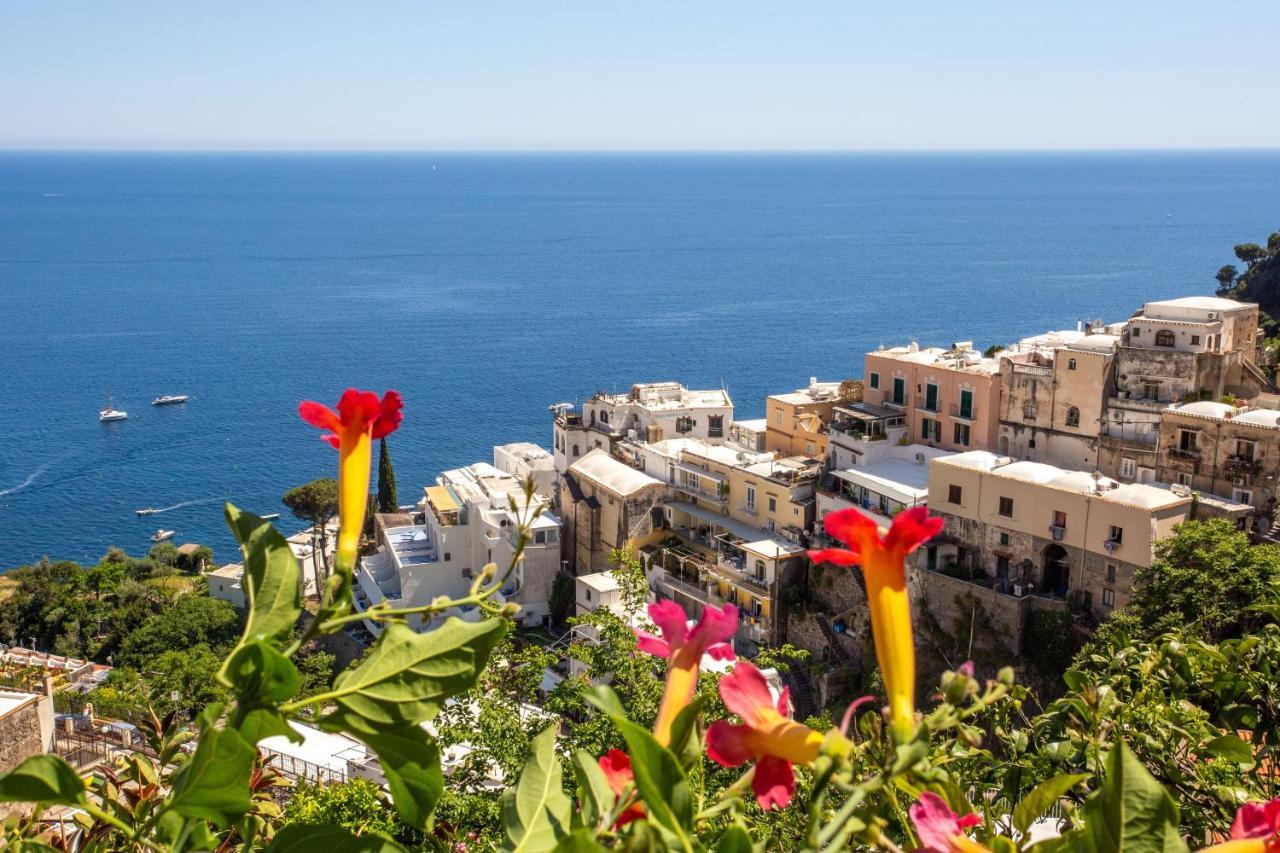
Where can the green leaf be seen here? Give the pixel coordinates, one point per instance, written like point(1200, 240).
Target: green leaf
point(1229, 748)
point(42, 779)
point(597, 798)
point(1041, 799)
point(408, 675)
point(662, 783)
point(411, 761)
point(735, 840)
point(272, 579)
point(308, 838)
point(214, 783)
point(1131, 813)
point(579, 841)
point(686, 740)
point(258, 673)
point(535, 814)
point(262, 723)
point(907, 755)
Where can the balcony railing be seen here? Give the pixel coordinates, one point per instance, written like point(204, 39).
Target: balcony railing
point(1057, 531)
point(968, 413)
point(1183, 454)
point(1241, 464)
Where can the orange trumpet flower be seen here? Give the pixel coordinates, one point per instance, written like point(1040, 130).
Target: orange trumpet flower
point(360, 419)
point(684, 649)
point(883, 567)
point(767, 734)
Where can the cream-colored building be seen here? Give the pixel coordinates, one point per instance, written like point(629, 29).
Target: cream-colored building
point(1053, 397)
point(949, 398)
point(1225, 450)
point(607, 504)
point(650, 412)
point(1174, 351)
point(525, 460)
point(1028, 528)
point(796, 422)
point(732, 529)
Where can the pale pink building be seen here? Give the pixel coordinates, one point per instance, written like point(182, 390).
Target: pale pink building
point(949, 397)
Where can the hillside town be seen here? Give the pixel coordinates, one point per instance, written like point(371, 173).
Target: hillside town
point(1057, 463)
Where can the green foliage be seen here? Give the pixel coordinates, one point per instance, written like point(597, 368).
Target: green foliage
point(535, 813)
point(316, 503)
point(563, 595)
point(1260, 282)
point(42, 779)
point(1047, 640)
point(189, 621)
point(356, 805)
point(387, 500)
point(1203, 579)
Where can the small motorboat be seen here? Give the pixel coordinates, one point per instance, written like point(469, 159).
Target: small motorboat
point(170, 399)
point(161, 535)
point(111, 413)
point(147, 511)
point(271, 516)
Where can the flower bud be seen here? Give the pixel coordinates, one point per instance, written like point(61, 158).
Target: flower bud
point(488, 572)
point(510, 610)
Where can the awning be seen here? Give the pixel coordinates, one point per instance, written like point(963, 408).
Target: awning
point(754, 540)
point(440, 498)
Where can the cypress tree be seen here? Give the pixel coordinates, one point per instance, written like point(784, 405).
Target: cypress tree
point(386, 481)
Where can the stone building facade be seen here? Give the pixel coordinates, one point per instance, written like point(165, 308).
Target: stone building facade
point(1031, 529)
point(1222, 450)
point(26, 727)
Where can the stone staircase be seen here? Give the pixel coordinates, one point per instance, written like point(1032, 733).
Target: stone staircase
point(833, 643)
point(799, 682)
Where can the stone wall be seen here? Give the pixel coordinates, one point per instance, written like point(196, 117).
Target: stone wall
point(20, 736)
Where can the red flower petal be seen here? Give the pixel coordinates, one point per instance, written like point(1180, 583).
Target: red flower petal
point(727, 743)
point(836, 556)
point(774, 782)
point(911, 528)
point(358, 409)
point(1256, 820)
point(616, 765)
point(851, 527)
point(390, 415)
point(318, 415)
point(651, 645)
point(671, 620)
point(332, 440)
point(936, 824)
point(745, 692)
point(721, 651)
point(715, 626)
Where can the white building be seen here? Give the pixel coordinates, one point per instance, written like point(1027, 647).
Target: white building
point(227, 582)
point(525, 460)
point(650, 412)
point(881, 484)
point(467, 522)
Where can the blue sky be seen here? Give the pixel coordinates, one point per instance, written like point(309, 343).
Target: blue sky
point(645, 75)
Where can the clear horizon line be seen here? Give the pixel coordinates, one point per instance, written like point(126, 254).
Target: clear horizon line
point(22, 149)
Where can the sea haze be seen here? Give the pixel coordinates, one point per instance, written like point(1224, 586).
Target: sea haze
point(487, 287)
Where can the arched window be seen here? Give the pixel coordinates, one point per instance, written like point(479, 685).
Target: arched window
point(1164, 338)
point(1071, 364)
point(1073, 417)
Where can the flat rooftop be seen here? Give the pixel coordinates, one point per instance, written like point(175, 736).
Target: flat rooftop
point(1142, 495)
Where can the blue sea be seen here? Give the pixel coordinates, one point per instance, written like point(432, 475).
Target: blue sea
point(487, 287)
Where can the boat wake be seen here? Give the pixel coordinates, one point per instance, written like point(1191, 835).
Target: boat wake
point(31, 478)
point(185, 503)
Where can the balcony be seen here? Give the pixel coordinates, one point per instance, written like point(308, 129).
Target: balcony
point(1057, 531)
point(1241, 466)
point(1184, 454)
point(966, 413)
point(757, 585)
point(700, 592)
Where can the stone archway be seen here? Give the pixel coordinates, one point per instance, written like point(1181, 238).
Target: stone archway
point(1056, 570)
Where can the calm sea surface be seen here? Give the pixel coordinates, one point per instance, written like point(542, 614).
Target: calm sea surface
point(487, 287)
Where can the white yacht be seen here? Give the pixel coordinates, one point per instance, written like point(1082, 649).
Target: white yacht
point(111, 413)
point(161, 535)
point(170, 399)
